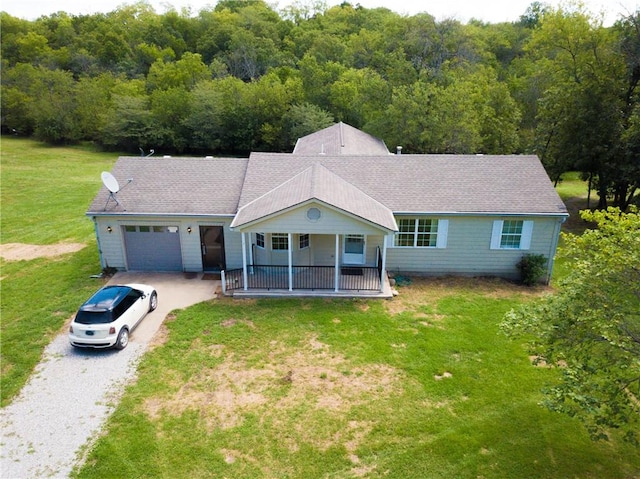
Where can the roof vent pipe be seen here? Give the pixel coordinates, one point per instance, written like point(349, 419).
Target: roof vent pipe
point(398, 150)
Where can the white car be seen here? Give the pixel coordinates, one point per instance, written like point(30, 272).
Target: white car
point(107, 318)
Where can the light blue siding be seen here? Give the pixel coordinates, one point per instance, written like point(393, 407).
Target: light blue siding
point(468, 250)
point(112, 245)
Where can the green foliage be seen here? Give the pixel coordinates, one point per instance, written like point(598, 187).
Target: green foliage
point(532, 268)
point(590, 328)
point(555, 83)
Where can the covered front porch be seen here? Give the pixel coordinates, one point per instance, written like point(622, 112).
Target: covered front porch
point(346, 277)
point(318, 281)
point(315, 234)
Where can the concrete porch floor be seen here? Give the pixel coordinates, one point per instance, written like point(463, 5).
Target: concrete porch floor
point(386, 293)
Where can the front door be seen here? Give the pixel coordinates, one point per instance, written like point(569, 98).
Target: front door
point(212, 246)
point(354, 249)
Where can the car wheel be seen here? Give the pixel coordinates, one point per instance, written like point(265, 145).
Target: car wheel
point(153, 301)
point(123, 339)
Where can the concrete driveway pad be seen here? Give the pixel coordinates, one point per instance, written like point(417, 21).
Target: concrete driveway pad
point(72, 392)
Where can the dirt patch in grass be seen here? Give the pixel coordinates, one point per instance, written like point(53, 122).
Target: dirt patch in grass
point(293, 389)
point(21, 251)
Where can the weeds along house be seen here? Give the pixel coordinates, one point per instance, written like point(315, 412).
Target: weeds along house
point(333, 216)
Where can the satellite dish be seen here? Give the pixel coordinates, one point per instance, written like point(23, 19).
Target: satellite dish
point(110, 182)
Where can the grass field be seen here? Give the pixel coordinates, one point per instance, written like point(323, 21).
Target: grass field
point(424, 386)
point(45, 193)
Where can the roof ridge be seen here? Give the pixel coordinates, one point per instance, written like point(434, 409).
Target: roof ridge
point(281, 185)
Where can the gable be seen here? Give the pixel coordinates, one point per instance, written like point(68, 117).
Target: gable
point(316, 183)
point(326, 219)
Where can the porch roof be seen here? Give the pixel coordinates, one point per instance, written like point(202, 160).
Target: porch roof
point(317, 183)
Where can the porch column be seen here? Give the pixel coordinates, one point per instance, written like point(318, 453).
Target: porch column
point(383, 271)
point(244, 261)
point(290, 251)
point(337, 265)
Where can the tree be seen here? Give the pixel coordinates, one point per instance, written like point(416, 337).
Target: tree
point(590, 328)
point(359, 96)
point(304, 119)
point(184, 73)
point(581, 115)
point(54, 107)
point(129, 125)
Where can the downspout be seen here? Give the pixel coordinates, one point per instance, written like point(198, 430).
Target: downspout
point(553, 248)
point(290, 259)
point(383, 273)
point(95, 227)
point(244, 261)
point(251, 259)
point(336, 278)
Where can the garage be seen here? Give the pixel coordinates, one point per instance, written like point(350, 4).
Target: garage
point(153, 248)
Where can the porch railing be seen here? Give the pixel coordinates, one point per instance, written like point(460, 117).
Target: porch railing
point(272, 277)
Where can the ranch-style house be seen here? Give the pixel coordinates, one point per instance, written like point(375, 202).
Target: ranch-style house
point(331, 218)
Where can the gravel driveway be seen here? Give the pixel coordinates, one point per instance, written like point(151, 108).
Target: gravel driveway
point(72, 392)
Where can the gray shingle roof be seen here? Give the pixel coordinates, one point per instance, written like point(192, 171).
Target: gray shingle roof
point(175, 186)
point(317, 183)
point(511, 184)
point(340, 139)
point(368, 186)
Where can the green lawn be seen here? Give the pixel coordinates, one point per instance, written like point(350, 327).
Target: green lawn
point(421, 386)
point(424, 386)
point(45, 193)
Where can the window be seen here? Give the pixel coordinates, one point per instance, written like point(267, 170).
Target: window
point(144, 229)
point(130, 229)
point(304, 241)
point(421, 233)
point(260, 240)
point(511, 234)
point(279, 241)
point(159, 229)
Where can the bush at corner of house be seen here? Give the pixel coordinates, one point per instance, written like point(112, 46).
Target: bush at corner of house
point(532, 267)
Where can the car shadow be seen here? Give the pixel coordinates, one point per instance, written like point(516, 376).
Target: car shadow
point(92, 352)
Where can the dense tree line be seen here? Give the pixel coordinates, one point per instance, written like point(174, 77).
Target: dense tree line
point(242, 76)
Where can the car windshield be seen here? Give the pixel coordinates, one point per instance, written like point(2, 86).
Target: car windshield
point(93, 317)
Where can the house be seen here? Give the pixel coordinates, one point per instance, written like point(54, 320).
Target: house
point(334, 216)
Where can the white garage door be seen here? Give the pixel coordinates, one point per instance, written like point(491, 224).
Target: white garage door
point(153, 248)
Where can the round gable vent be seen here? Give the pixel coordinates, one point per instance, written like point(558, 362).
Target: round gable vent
point(313, 214)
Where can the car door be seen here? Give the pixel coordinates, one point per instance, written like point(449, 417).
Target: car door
point(134, 308)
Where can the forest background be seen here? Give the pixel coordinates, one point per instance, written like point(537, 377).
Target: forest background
point(241, 77)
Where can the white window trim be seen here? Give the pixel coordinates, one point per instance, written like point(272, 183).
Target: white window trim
point(308, 241)
point(280, 235)
point(441, 235)
point(264, 239)
point(525, 237)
